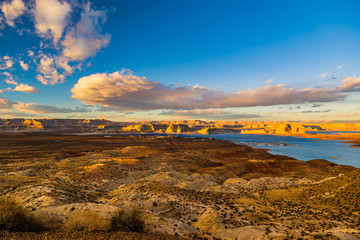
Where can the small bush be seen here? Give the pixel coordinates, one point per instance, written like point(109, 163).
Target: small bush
point(86, 221)
point(16, 218)
point(131, 220)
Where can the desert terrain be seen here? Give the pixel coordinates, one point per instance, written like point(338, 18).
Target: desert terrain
point(191, 188)
point(349, 132)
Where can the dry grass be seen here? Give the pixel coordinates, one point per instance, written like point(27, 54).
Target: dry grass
point(16, 218)
point(86, 221)
point(127, 220)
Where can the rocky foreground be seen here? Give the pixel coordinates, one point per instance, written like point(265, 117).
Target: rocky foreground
point(193, 188)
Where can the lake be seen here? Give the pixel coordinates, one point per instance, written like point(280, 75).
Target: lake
point(305, 148)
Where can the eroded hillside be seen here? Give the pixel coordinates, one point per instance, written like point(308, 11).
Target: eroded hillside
point(190, 187)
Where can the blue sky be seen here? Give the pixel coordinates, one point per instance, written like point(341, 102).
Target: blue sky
point(157, 60)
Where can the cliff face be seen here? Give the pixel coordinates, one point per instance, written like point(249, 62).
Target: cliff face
point(53, 124)
point(139, 128)
point(31, 123)
point(185, 126)
point(275, 128)
point(177, 128)
point(254, 131)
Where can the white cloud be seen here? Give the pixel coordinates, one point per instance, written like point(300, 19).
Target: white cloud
point(323, 75)
point(50, 74)
point(80, 42)
point(51, 18)
point(11, 81)
point(30, 53)
point(63, 63)
point(123, 91)
point(6, 62)
point(25, 88)
point(12, 10)
point(85, 40)
point(350, 84)
point(23, 65)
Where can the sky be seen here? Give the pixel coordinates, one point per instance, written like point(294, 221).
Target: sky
point(139, 60)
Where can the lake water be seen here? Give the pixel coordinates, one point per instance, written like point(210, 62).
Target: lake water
point(305, 149)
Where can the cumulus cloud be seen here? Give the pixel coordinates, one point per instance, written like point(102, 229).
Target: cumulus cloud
point(6, 62)
point(9, 79)
point(85, 40)
point(51, 18)
point(12, 10)
point(208, 114)
point(350, 84)
point(49, 72)
point(25, 88)
point(124, 91)
point(80, 42)
point(23, 65)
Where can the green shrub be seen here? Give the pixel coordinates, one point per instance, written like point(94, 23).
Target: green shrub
point(16, 218)
point(131, 220)
point(86, 221)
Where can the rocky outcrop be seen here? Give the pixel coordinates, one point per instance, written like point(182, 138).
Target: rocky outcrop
point(254, 131)
point(297, 129)
point(31, 123)
point(139, 128)
point(177, 128)
point(210, 221)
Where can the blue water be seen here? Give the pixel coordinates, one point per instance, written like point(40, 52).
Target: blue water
point(305, 149)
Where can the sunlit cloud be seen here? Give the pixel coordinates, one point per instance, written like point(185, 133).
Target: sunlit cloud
point(66, 41)
point(79, 42)
point(5, 104)
point(10, 79)
point(39, 108)
point(35, 108)
point(350, 84)
point(51, 18)
point(23, 65)
point(49, 73)
point(6, 62)
point(85, 40)
point(125, 91)
point(332, 74)
point(25, 88)
point(12, 10)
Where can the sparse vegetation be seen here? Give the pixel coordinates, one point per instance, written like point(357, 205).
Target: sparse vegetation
point(86, 221)
point(128, 220)
point(176, 181)
point(14, 217)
